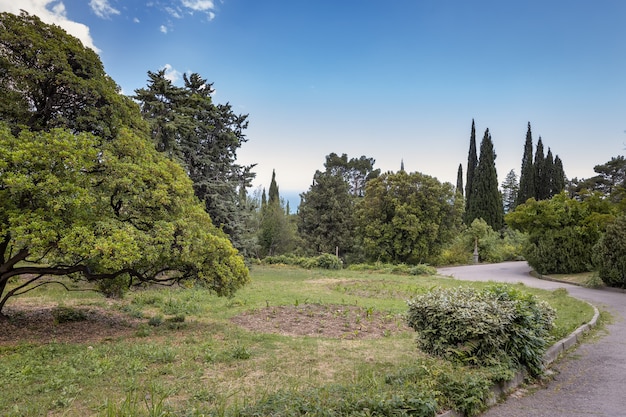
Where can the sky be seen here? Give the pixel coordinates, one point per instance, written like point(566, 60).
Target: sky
point(396, 81)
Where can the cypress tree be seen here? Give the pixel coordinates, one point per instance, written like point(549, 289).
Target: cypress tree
point(486, 201)
point(542, 186)
point(273, 195)
point(472, 163)
point(558, 179)
point(527, 174)
point(549, 174)
point(459, 180)
point(510, 188)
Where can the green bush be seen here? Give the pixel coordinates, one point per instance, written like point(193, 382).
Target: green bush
point(499, 326)
point(609, 254)
point(323, 261)
point(67, 315)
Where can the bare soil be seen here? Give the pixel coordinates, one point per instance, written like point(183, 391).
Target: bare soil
point(329, 321)
point(29, 323)
point(36, 324)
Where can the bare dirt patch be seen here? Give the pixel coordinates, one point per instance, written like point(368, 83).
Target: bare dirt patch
point(318, 320)
point(37, 324)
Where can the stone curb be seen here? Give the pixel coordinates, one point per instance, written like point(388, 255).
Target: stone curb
point(501, 389)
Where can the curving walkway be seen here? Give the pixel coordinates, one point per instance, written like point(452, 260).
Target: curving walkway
point(591, 379)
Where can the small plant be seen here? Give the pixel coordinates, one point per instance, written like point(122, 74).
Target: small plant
point(67, 315)
point(155, 321)
point(240, 352)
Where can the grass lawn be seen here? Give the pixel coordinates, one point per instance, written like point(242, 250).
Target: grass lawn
point(337, 336)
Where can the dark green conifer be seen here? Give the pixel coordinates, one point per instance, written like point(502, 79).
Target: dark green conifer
point(558, 180)
point(486, 201)
point(459, 180)
point(527, 174)
point(542, 184)
point(472, 163)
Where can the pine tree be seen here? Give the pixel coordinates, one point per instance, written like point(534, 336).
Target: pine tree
point(510, 189)
point(542, 186)
point(486, 201)
point(459, 180)
point(527, 173)
point(472, 163)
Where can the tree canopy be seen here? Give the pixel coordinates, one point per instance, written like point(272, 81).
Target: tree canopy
point(407, 218)
point(114, 213)
point(49, 79)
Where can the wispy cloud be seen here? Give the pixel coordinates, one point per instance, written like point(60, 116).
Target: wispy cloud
point(163, 29)
point(171, 74)
point(102, 8)
point(174, 13)
point(203, 6)
point(53, 12)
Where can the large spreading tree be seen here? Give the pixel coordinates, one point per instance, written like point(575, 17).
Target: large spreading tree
point(114, 213)
point(407, 218)
point(83, 191)
point(49, 79)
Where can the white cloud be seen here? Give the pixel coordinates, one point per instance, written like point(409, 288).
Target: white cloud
point(163, 29)
point(171, 74)
point(199, 5)
point(173, 12)
point(136, 20)
point(51, 12)
point(102, 8)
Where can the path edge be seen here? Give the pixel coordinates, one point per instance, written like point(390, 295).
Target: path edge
point(503, 388)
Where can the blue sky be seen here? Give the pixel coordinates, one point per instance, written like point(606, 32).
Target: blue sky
point(396, 80)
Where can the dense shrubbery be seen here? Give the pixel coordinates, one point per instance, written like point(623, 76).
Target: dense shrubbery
point(324, 261)
point(609, 254)
point(499, 326)
point(493, 246)
point(419, 269)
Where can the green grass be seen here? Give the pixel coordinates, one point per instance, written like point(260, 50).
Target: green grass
point(195, 361)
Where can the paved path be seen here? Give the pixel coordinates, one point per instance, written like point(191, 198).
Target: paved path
point(589, 381)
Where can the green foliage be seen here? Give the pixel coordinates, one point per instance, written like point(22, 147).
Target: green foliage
point(188, 127)
point(472, 164)
point(499, 326)
point(326, 215)
point(485, 201)
point(561, 231)
point(67, 315)
point(49, 79)
point(345, 400)
point(105, 210)
point(609, 254)
point(407, 218)
point(323, 261)
point(527, 174)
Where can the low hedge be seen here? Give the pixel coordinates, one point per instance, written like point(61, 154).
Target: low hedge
point(499, 326)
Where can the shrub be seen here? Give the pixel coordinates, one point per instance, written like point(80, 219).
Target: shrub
point(609, 254)
point(67, 315)
point(499, 326)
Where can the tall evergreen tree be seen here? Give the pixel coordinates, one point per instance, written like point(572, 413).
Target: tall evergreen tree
point(549, 173)
point(355, 172)
point(472, 163)
point(204, 137)
point(559, 179)
point(273, 195)
point(542, 185)
point(527, 173)
point(459, 180)
point(510, 189)
point(486, 201)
